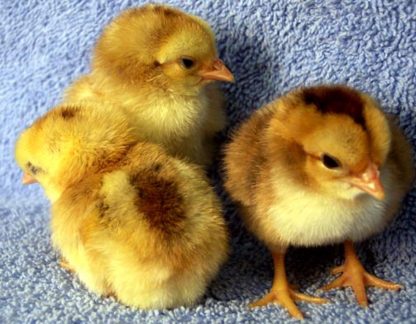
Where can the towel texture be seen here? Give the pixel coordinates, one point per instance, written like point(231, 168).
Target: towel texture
point(272, 47)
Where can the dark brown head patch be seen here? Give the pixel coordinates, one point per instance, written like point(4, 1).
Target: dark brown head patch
point(166, 11)
point(69, 112)
point(159, 200)
point(336, 100)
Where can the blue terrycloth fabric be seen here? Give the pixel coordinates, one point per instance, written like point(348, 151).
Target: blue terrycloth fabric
point(272, 46)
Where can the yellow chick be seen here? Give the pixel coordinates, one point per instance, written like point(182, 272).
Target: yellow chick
point(320, 165)
point(158, 63)
point(128, 219)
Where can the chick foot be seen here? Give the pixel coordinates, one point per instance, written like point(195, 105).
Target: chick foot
point(286, 298)
point(281, 293)
point(355, 276)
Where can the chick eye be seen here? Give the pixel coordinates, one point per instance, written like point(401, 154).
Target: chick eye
point(33, 170)
point(187, 63)
point(330, 162)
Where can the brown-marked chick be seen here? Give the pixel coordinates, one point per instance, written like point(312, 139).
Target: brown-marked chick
point(320, 165)
point(158, 63)
point(127, 218)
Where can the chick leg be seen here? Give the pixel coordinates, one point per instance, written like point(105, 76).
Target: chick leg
point(354, 275)
point(281, 292)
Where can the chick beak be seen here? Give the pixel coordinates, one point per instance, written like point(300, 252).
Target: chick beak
point(217, 71)
point(28, 179)
point(369, 181)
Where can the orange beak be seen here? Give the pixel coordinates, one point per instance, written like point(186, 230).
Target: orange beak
point(217, 71)
point(28, 179)
point(369, 181)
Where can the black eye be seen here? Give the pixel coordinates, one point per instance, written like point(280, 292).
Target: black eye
point(187, 63)
point(33, 170)
point(330, 162)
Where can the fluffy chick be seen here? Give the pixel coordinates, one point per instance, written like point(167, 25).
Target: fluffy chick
point(127, 218)
point(318, 166)
point(158, 64)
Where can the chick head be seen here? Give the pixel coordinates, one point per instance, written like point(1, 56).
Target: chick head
point(161, 46)
point(69, 143)
point(344, 137)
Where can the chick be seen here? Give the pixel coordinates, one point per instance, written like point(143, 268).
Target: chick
point(128, 219)
point(320, 165)
point(158, 63)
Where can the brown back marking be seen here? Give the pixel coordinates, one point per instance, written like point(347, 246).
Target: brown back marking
point(159, 200)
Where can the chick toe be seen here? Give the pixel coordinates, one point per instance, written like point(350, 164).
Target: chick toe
point(283, 294)
point(380, 283)
point(284, 298)
point(355, 276)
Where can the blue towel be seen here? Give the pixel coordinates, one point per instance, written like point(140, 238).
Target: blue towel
point(272, 47)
